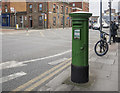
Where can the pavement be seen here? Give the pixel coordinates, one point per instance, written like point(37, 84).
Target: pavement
point(103, 74)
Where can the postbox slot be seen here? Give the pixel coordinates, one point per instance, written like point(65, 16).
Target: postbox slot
point(77, 25)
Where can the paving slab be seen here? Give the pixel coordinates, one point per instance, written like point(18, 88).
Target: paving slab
point(96, 65)
point(105, 61)
point(101, 74)
point(107, 67)
point(64, 87)
point(114, 68)
point(104, 85)
point(114, 76)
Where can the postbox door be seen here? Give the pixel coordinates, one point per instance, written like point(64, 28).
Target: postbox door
point(80, 43)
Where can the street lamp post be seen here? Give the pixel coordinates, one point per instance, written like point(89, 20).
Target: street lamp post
point(63, 15)
point(110, 21)
point(15, 18)
point(100, 15)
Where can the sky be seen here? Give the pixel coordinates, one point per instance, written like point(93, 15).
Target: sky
point(95, 6)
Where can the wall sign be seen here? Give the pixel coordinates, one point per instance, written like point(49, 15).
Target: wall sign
point(77, 34)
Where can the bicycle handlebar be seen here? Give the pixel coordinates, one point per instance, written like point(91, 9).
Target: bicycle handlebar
point(104, 32)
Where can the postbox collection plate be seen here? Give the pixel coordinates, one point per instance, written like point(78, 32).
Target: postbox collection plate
point(77, 34)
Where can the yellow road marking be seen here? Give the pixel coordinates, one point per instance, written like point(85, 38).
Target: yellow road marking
point(40, 76)
point(46, 78)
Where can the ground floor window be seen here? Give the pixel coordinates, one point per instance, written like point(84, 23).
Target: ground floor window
point(4, 20)
point(54, 21)
point(61, 20)
point(40, 21)
point(67, 21)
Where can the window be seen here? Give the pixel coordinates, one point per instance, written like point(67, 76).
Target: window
point(40, 21)
point(61, 9)
point(66, 10)
point(70, 10)
point(4, 20)
point(30, 18)
point(61, 20)
point(73, 4)
point(30, 8)
point(67, 21)
point(6, 10)
point(57, 9)
point(54, 8)
point(54, 21)
point(20, 19)
point(40, 7)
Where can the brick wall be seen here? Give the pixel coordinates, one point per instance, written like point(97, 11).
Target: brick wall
point(35, 14)
point(58, 15)
point(85, 6)
point(19, 6)
point(3, 7)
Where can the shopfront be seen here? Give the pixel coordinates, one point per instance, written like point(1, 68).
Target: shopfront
point(6, 19)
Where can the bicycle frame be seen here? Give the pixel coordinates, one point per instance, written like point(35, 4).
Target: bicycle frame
point(103, 35)
point(103, 38)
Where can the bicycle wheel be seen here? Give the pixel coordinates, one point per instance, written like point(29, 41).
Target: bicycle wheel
point(101, 48)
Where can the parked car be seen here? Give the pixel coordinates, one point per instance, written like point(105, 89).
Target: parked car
point(96, 26)
point(105, 25)
point(117, 23)
point(90, 26)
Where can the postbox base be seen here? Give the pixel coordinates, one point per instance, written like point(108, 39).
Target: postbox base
point(79, 74)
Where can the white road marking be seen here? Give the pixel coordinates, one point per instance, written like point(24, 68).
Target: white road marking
point(11, 33)
point(27, 34)
point(41, 33)
point(11, 64)
point(12, 76)
point(1, 33)
point(57, 61)
point(38, 59)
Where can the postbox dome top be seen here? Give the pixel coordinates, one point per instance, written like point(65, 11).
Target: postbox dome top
point(81, 13)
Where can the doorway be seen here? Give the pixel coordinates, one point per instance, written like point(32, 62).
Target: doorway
point(30, 21)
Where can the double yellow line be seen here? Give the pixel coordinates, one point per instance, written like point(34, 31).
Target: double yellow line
point(42, 75)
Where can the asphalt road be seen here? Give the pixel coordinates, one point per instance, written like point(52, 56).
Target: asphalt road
point(27, 55)
point(35, 50)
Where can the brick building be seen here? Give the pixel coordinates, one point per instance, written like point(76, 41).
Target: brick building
point(58, 14)
point(47, 15)
point(8, 12)
point(36, 15)
point(51, 14)
point(80, 6)
point(44, 15)
point(40, 14)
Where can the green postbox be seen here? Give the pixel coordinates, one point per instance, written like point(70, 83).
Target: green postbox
point(80, 35)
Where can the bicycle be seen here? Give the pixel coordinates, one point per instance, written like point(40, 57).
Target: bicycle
point(101, 47)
